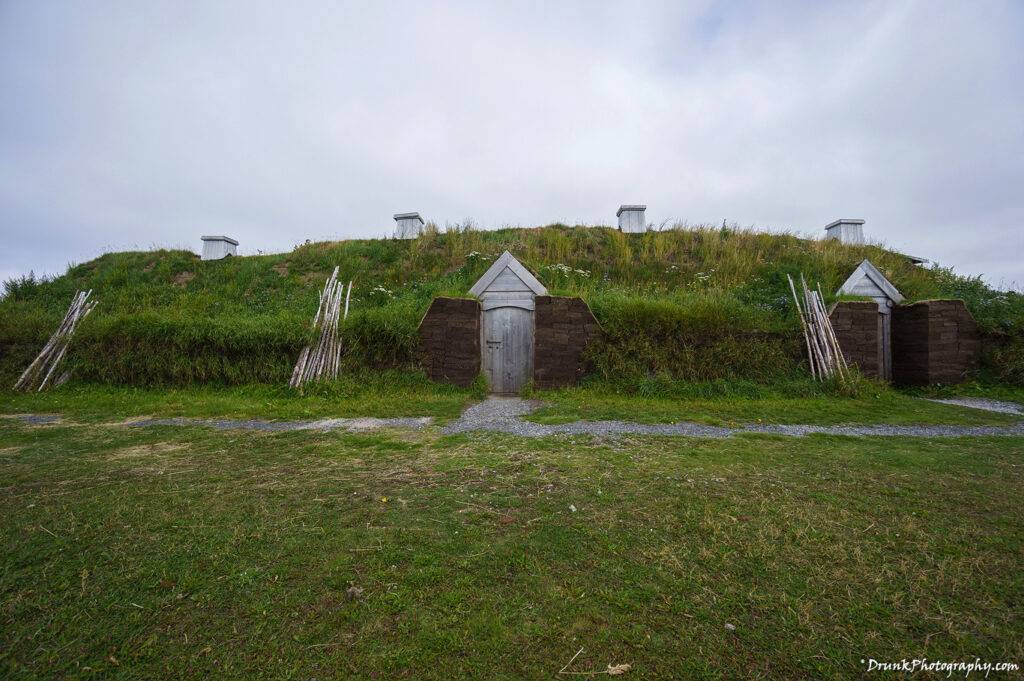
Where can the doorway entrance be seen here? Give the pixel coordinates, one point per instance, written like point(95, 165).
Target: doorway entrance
point(506, 292)
point(507, 346)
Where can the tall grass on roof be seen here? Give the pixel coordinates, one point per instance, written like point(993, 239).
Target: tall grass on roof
point(169, 317)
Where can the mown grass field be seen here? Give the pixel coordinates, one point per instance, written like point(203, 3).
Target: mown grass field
point(413, 397)
point(184, 552)
point(384, 396)
point(873, 407)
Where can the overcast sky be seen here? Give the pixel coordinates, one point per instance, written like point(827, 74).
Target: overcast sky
point(136, 124)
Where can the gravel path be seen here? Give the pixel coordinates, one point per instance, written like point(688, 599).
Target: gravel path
point(351, 424)
point(34, 419)
point(504, 415)
point(982, 403)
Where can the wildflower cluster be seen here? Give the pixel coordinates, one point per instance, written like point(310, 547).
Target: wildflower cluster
point(559, 268)
point(702, 280)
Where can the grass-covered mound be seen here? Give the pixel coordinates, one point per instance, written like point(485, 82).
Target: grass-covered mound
point(695, 304)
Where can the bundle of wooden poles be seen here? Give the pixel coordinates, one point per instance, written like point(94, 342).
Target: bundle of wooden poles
point(823, 351)
point(42, 371)
point(322, 359)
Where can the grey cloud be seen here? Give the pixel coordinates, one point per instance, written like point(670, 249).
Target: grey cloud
point(133, 124)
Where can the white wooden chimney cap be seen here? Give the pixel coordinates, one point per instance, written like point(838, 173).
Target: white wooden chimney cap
point(624, 207)
point(219, 238)
point(408, 216)
point(844, 221)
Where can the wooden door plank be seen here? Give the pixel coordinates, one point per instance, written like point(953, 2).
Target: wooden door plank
point(508, 348)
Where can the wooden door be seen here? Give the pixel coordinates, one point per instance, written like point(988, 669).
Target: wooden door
point(507, 348)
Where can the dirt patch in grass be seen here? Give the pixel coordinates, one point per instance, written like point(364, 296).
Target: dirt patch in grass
point(130, 421)
point(281, 269)
point(182, 278)
point(310, 277)
point(147, 450)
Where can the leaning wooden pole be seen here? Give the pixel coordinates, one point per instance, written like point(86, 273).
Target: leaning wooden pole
point(321, 359)
point(823, 328)
point(803, 325)
point(832, 333)
point(824, 356)
point(41, 373)
point(824, 353)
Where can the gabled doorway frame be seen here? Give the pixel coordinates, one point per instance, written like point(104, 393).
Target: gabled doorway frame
point(507, 328)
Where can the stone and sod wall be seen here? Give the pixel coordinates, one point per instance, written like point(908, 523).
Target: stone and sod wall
point(450, 340)
point(563, 329)
point(934, 341)
point(858, 328)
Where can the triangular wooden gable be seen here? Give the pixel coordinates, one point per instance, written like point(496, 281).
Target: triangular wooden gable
point(866, 280)
point(507, 275)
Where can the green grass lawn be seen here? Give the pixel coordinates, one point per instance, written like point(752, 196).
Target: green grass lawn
point(184, 552)
point(414, 397)
point(991, 391)
point(881, 406)
point(103, 403)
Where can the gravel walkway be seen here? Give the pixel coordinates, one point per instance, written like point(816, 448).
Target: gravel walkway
point(34, 419)
point(351, 424)
point(504, 415)
point(982, 403)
